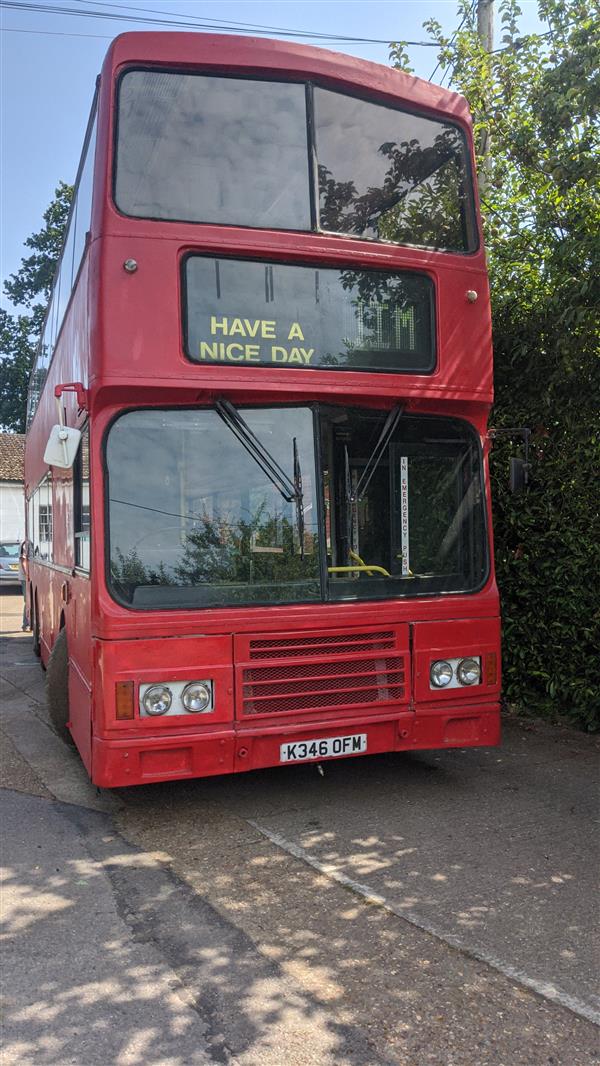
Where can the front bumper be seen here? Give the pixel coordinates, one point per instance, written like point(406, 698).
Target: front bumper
point(118, 763)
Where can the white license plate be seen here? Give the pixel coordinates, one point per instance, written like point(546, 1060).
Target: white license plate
point(326, 748)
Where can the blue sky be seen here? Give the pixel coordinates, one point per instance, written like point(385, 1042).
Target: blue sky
point(50, 61)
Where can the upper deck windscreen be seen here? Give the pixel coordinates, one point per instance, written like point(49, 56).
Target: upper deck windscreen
point(200, 148)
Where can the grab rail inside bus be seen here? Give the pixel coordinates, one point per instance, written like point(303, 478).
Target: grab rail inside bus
point(362, 569)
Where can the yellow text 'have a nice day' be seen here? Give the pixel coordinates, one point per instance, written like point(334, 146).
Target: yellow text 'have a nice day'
point(248, 351)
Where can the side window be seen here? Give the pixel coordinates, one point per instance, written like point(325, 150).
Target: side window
point(81, 502)
point(65, 278)
point(35, 525)
point(44, 530)
point(79, 224)
point(83, 206)
point(30, 526)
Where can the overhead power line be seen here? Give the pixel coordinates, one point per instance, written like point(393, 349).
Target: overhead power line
point(194, 23)
point(192, 18)
point(466, 15)
point(57, 33)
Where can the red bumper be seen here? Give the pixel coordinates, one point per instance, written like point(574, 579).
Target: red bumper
point(117, 763)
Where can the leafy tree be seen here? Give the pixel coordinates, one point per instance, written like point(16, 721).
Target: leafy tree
point(536, 102)
point(29, 288)
point(417, 201)
point(218, 550)
point(17, 352)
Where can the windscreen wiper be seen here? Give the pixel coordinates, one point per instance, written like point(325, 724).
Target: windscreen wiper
point(375, 457)
point(299, 498)
point(290, 490)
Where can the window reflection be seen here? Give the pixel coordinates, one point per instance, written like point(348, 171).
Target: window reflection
point(406, 183)
point(210, 149)
point(280, 315)
point(195, 521)
point(67, 269)
point(235, 151)
point(81, 502)
point(40, 520)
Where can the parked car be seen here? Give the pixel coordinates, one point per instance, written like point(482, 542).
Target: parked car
point(10, 571)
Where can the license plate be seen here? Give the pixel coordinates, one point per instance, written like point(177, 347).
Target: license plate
point(326, 748)
point(13, 566)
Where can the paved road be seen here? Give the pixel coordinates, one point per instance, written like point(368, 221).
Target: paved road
point(405, 909)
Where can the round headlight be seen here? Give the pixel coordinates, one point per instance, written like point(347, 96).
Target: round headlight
point(469, 672)
point(196, 697)
point(440, 674)
point(157, 699)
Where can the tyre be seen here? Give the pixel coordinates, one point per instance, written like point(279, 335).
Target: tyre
point(57, 686)
point(35, 626)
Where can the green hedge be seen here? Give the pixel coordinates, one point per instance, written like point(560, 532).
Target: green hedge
point(547, 540)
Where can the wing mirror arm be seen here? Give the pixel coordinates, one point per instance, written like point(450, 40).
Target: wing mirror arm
point(63, 441)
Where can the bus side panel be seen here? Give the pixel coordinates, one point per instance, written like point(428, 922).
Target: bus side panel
point(80, 666)
point(46, 591)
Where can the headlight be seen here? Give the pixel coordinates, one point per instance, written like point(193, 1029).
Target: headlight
point(197, 697)
point(469, 672)
point(157, 699)
point(440, 674)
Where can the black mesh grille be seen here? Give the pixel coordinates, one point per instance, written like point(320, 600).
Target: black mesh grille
point(301, 646)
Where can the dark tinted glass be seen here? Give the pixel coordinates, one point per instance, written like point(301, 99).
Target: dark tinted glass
point(206, 149)
point(296, 316)
point(388, 174)
point(194, 520)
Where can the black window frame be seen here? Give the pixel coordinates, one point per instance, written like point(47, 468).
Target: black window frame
point(314, 265)
point(310, 84)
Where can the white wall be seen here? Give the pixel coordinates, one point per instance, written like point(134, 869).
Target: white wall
point(12, 511)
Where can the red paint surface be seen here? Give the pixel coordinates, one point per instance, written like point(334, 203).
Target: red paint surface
point(122, 339)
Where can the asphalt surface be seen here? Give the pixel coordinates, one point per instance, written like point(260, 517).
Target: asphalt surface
point(404, 909)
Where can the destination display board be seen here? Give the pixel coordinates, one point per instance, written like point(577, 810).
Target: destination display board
point(282, 315)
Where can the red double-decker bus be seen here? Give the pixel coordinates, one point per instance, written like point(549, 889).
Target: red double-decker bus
point(261, 533)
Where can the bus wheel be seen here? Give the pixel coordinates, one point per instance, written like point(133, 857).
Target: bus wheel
point(57, 686)
point(35, 626)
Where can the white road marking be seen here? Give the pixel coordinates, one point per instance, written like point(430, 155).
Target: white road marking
point(541, 988)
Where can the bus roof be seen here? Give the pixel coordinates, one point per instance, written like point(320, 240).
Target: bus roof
point(225, 52)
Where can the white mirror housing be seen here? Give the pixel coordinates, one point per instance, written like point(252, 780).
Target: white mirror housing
point(62, 446)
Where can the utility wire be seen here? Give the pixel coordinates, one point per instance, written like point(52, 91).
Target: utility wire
point(177, 14)
point(185, 23)
point(57, 33)
point(467, 15)
point(224, 26)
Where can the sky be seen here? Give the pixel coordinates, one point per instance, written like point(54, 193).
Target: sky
point(49, 62)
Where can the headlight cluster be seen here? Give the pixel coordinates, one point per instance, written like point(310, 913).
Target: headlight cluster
point(157, 699)
point(195, 697)
point(455, 673)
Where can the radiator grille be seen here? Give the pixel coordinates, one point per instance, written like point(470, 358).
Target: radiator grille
point(296, 647)
point(338, 682)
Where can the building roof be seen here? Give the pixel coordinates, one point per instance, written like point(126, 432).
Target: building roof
point(12, 456)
